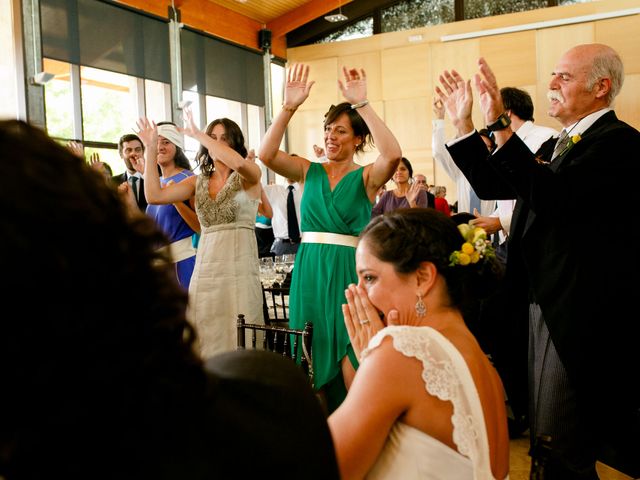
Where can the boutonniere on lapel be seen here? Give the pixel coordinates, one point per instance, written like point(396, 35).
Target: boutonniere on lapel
point(571, 141)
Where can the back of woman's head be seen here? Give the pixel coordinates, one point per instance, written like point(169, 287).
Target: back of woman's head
point(359, 126)
point(407, 237)
point(235, 140)
point(99, 341)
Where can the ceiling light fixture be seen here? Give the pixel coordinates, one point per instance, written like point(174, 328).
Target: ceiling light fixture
point(336, 17)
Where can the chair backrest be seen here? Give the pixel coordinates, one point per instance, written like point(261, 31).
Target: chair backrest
point(275, 304)
point(289, 342)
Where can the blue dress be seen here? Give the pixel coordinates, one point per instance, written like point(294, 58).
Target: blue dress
point(175, 228)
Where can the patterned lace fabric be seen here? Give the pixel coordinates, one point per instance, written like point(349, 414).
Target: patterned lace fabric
point(446, 376)
point(224, 208)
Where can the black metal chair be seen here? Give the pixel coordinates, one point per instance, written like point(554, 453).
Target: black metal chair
point(289, 342)
point(275, 305)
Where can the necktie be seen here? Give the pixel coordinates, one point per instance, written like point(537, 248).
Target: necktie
point(560, 144)
point(134, 187)
point(292, 218)
point(474, 201)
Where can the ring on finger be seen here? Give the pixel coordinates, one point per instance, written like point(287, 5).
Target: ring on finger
point(364, 322)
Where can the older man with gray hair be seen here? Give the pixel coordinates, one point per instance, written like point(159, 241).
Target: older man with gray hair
point(580, 278)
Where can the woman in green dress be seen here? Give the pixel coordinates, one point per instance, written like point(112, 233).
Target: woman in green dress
point(336, 206)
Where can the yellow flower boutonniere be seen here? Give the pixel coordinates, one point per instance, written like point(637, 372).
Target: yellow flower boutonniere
point(571, 141)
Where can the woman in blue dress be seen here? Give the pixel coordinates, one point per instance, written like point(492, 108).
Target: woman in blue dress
point(177, 220)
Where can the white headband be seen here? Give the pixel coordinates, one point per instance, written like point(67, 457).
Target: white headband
point(170, 132)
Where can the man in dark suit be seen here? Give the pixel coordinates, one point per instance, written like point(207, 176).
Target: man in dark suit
point(131, 151)
point(579, 275)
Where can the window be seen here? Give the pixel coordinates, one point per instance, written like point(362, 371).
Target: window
point(361, 29)
point(416, 13)
point(109, 104)
point(484, 8)
point(58, 100)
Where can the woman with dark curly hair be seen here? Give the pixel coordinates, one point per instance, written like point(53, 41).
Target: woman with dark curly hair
point(225, 280)
point(94, 387)
point(335, 207)
point(425, 402)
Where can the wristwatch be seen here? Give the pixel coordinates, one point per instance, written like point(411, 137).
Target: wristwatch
point(502, 122)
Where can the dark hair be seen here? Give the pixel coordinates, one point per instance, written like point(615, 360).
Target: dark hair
point(407, 164)
point(128, 137)
point(235, 139)
point(487, 134)
point(518, 101)
point(101, 348)
point(180, 159)
point(359, 126)
point(408, 236)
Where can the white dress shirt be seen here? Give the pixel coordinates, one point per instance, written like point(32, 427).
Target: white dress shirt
point(277, 195)
point(442, 156)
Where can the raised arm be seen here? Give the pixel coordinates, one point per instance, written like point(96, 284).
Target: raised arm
point(457, 98)
point(438, 140)
point(218, 149)
point(153, 191)
point(354, 91)
point(296, 91)
point(491, 100)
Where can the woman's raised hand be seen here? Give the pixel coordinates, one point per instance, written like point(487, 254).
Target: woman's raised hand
point(360, 317)
point(297, 87)
point(147, 131)
point(354, 88)
point(190, 127)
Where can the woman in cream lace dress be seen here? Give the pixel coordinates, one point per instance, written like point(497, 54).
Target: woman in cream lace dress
point(225, 279)
point(425, 402)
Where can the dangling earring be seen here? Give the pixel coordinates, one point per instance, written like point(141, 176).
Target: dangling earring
point(421, 308)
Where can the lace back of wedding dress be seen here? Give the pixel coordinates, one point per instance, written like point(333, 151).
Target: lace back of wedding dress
point(446, 376)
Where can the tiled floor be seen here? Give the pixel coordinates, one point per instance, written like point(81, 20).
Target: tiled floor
point(520, 462)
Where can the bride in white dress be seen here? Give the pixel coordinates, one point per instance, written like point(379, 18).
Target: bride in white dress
point(425, 402)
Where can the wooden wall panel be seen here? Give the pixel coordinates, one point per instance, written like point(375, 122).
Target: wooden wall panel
point(304, 131)
point(405, 72)
point(408, 120)
point(325, 91)
point(627, 104)
point(551, 43)
point(512, 57)
point(371, 64)
point(622, 34)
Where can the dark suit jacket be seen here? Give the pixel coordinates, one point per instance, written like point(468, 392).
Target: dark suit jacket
point(431, 200)
point(142, 201)
point(574, 254)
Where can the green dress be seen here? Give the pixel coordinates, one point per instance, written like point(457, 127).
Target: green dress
point(322, 272)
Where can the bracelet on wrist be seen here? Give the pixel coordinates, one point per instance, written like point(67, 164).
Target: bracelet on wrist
point(359, 104)
point(287, 108)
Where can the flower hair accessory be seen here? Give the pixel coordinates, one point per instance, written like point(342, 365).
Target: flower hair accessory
point(475, 246)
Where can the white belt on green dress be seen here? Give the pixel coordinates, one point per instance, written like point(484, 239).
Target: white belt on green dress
point(180, 249)
point(330, 238)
